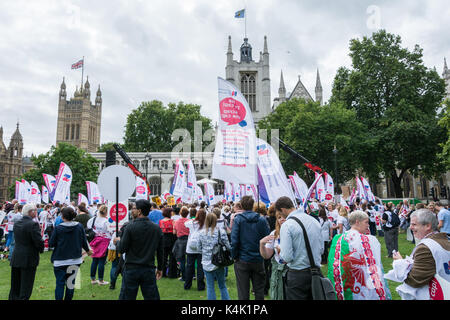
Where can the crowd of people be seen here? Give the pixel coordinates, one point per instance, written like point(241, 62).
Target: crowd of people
point(266, 243)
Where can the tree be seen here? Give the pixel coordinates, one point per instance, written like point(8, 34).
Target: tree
point(108, 146)
point(84, 167)
point(149, 128)
point(444, 122)
point(313, 131)
point(397, 97)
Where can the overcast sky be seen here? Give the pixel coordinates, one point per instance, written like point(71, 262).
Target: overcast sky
point(173, 50)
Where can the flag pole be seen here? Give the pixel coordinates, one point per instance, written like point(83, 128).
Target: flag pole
point(82, 71)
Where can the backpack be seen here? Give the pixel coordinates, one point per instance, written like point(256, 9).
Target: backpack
point(395, 221)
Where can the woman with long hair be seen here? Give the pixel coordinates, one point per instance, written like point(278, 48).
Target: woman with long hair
point(208, 238)
point(169, 261)
point(99, 244)
point(193, 253)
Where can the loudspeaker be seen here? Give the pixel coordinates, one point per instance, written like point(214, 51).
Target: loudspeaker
point(110, 158)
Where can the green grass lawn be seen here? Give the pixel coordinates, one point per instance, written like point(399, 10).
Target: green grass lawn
point(169, 289)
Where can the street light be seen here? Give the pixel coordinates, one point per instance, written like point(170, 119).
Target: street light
point(160, 179)
point(148, 157)
point(335, 151)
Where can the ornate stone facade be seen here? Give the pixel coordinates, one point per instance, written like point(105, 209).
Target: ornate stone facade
point(79, 121)
point(10, 162)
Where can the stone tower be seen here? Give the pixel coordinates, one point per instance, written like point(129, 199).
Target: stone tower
point(318, 89)
point(446, 76)
point(10, 162)
point(79, 121)
point(251, 78)
point(281, 93)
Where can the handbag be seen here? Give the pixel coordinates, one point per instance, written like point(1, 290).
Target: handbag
point(322, 287)
point(90, 233)
point(221, 254)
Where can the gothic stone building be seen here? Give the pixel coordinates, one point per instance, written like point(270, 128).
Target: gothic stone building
point(79, 121)
point(10, 162)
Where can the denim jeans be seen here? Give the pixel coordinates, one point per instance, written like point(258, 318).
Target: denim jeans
point(100, 264)
point(183, 267)
point(143, 277)
point(62, 275)
point(218, 274)
point(112, 274)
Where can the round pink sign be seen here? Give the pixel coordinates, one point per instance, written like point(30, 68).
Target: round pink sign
point(232, 111)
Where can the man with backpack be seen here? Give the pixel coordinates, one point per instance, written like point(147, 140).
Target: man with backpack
point(391, 222)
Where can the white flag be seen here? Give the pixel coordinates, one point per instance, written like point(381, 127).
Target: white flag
point(236, 191)
point(320, 188)
point(209, 193)
point(50, 182)
point(272, 173)
point(199, 193)
point(234, 154)
point(367, 190)
point(26, 191)
point(82, 198)
point(190, 191)
point(35, 193)
point(44, 194)
point(179, 180)
point(63, 181)
point(329, 187)
point(300, 187)
point(141, 189)
point(93, 193)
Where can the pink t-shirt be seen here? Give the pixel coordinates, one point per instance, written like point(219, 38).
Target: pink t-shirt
point(181, 228)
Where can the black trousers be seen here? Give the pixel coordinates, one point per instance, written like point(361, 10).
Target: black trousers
point(246, 272)
point(298, 284)
point(140, 277)
point(22, 280)
point(190, 269)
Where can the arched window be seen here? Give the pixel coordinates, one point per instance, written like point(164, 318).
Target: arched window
point(67, 131)
point(164, 164)
point(156, 164)
point(155, 185)
point(72, 135)
point(248, 89)
point(78, 132)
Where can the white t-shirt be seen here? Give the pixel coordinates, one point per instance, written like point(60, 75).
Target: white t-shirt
point(344, 221)
point(274, 244)
point(175, 217)
point(100, 227)
point(194, 230)
point(325, 227)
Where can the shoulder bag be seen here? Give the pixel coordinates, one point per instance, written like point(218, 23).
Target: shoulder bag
point(322, 288)
point(90, 233)
point(221, 254)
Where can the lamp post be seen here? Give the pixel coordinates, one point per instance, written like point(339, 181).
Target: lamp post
point(160, 179)
point(335, 151)
point(148, 157)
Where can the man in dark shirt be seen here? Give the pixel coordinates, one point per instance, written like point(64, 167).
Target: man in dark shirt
point(141, 240)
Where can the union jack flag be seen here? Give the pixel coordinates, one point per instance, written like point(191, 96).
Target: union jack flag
point(78, 64)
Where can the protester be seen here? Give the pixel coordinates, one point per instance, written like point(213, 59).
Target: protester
point(25, 257)
point(169, 263)
point(179, 248)
point(342, 221)
point(208, 238)
point(155, 214)
point(237, 209)
point(141, 241)
point(193, 252)
point(354, 265)
point(390, 230)
point(270, 249)
point(82, 216)
point(327, 234)
point(443, 218)
point(68, 240)
point(99, 244)
point(247, 230)
point(428, 260)
point(12, 217)
point(293, 250)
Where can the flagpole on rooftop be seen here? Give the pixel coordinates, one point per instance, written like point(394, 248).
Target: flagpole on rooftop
point(82, 71)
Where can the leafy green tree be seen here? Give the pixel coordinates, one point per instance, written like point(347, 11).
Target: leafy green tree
point(84, 167)
point(314, 131)
point(397, 97)
point(108, 146)
point(444, 122)
point(149, 128)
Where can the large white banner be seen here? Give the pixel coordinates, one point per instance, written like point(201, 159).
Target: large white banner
point(190, 192)
point(234, 154)
point(367, 190)
point(26, 191)
point(141, 189)
point(228, 192)
point(63, 182)
point(320, 188)
point(93, 193)
point(35, 193)
point(272, 173)
point(199, 194)
point(329, 187)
